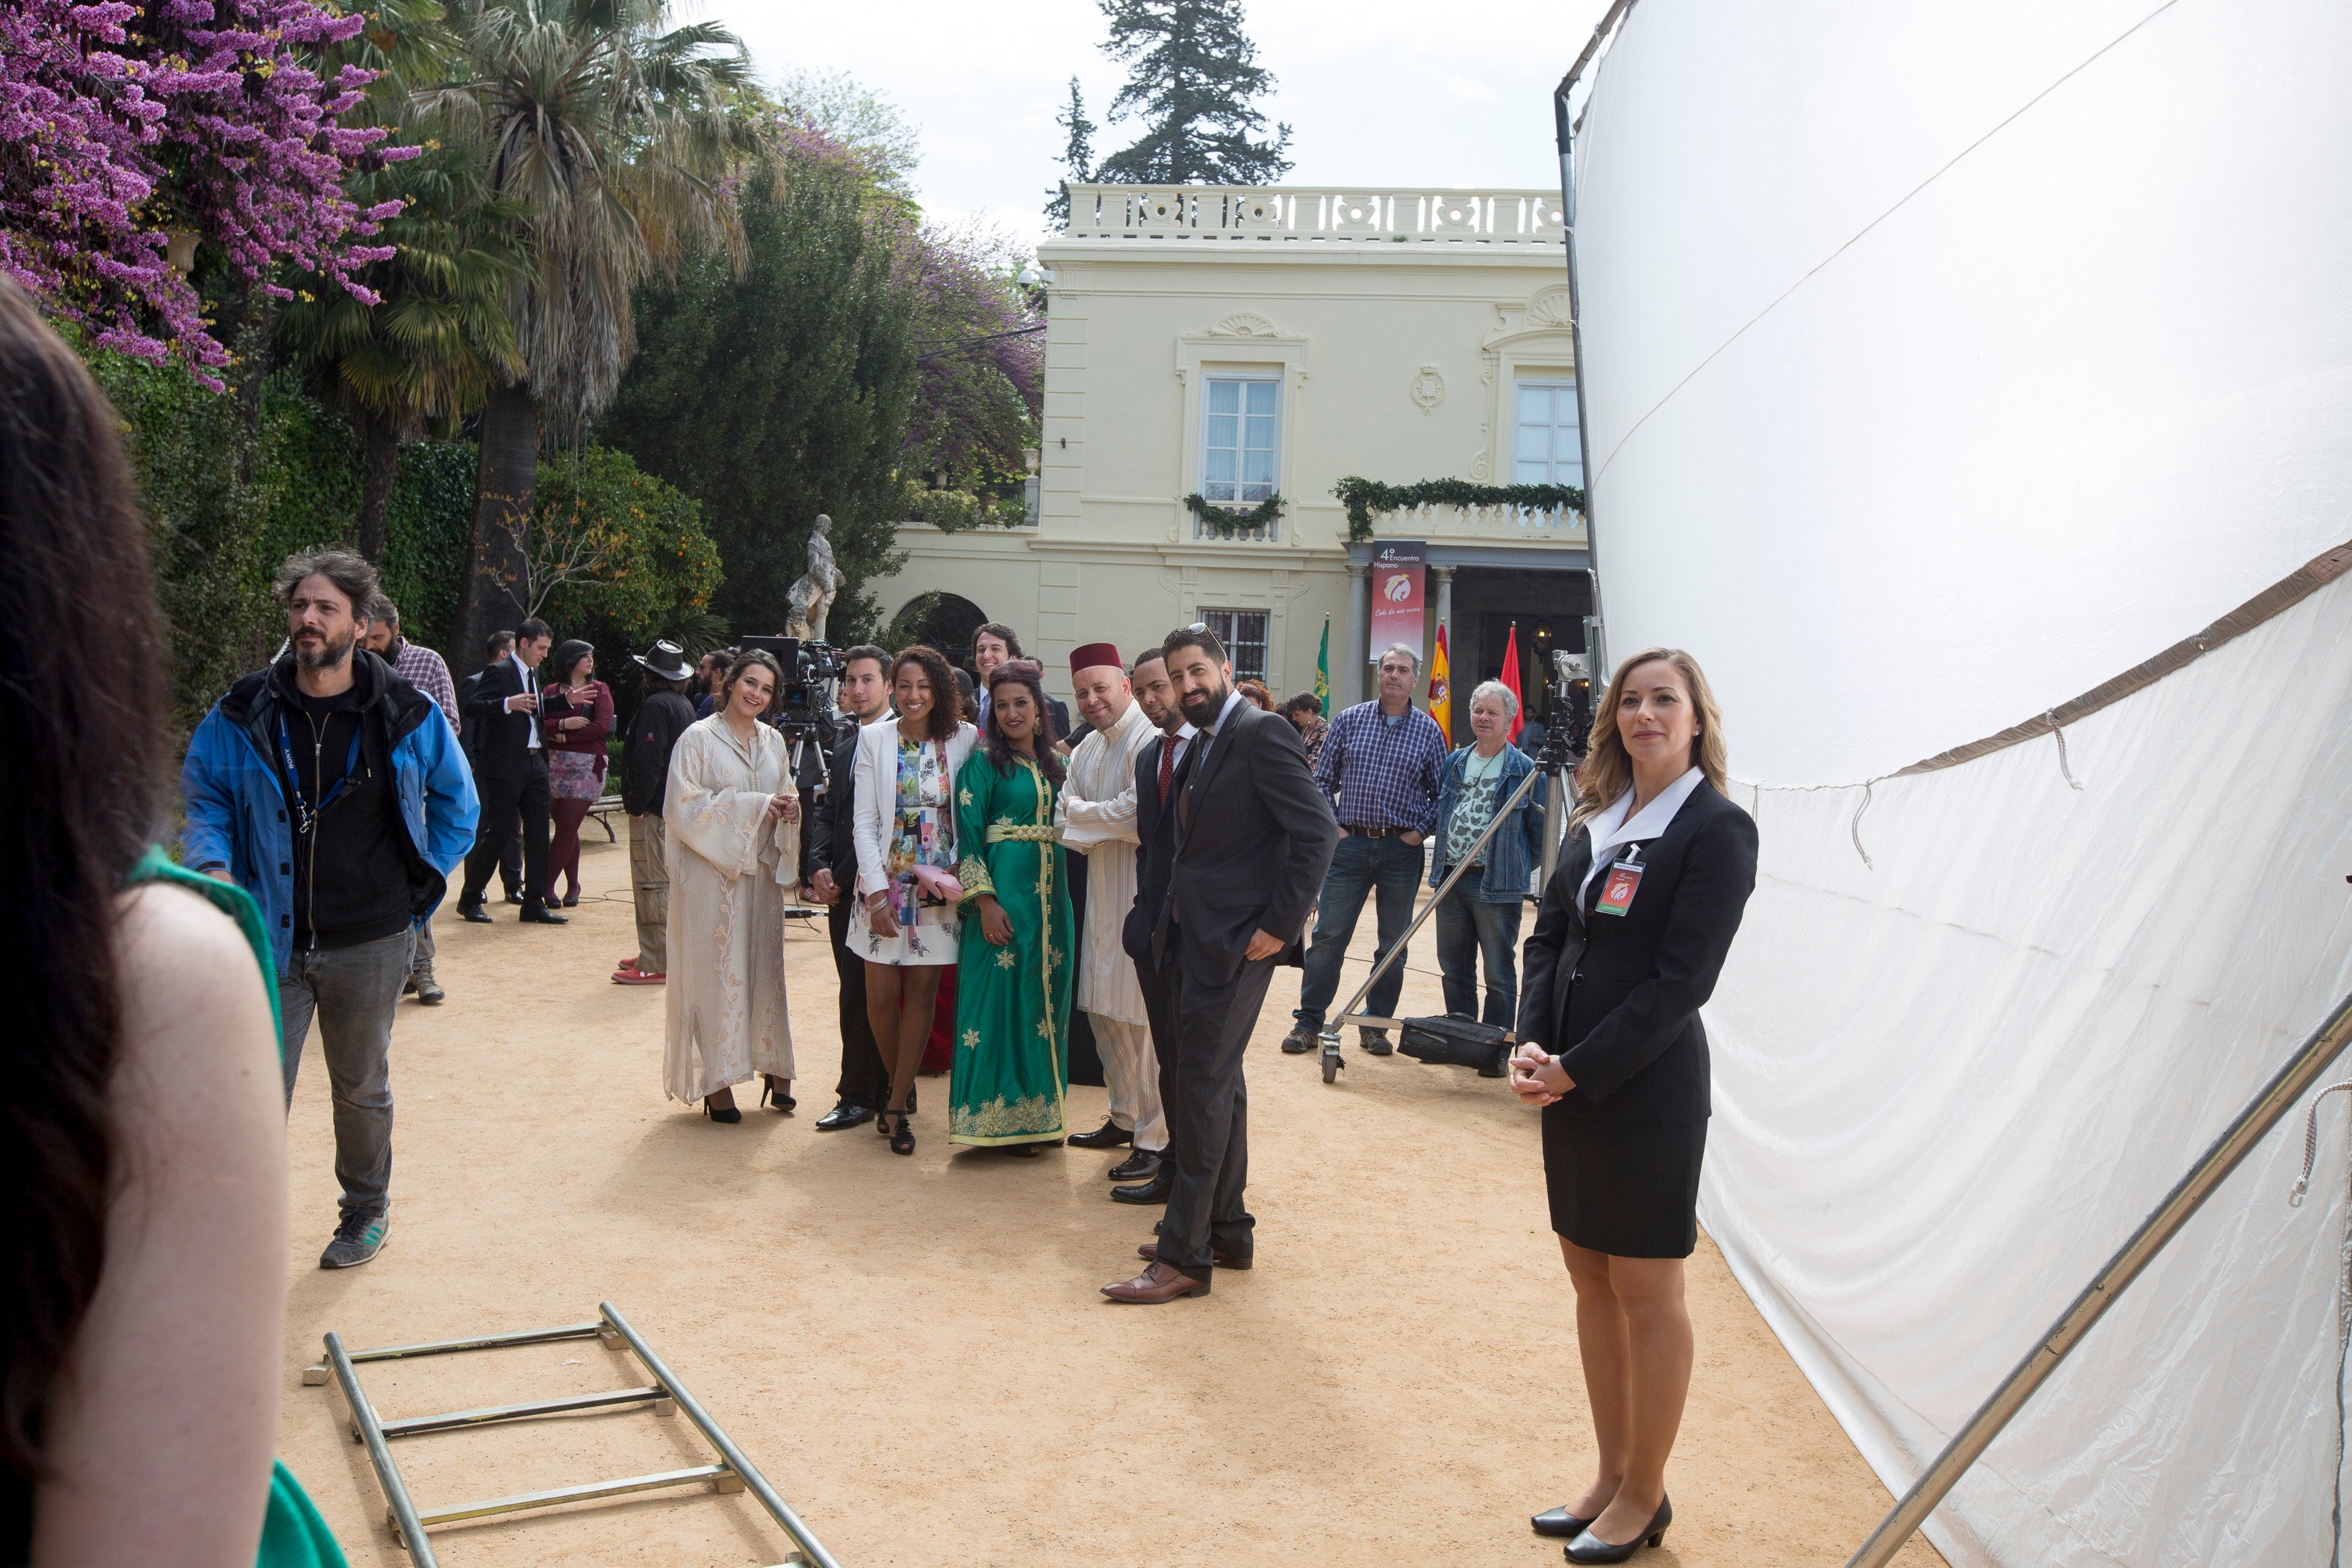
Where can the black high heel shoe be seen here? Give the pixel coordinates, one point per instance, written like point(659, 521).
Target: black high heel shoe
point(1559, 1521)
point(902, 1140)
point(1590, 1548)
point(771, 1095)
point(731, 1113)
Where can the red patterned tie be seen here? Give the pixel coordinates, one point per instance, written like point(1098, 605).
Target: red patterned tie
point(1167, 768)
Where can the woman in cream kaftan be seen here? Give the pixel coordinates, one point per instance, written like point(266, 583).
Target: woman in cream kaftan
point(1012, 969)
point(730, 861)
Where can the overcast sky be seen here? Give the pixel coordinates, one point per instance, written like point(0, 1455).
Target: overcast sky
point(1377, 93)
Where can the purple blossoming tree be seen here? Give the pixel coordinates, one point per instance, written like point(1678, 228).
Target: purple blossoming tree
point(122, 126)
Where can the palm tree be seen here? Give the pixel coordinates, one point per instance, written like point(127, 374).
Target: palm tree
point(438, 340)
point(611, 131)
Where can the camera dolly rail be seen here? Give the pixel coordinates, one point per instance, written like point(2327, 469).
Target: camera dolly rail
point(665, 1395)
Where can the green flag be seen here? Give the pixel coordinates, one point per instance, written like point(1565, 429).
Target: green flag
point(1323, 667)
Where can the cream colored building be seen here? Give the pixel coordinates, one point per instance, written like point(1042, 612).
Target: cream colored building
point(1234, 343)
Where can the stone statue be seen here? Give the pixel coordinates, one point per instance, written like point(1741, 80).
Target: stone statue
point(809, 601)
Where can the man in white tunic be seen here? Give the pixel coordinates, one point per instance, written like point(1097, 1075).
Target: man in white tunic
point(732, 821)
point(1098, 817)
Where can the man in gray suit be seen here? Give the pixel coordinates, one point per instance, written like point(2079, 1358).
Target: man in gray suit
point(1253, 838)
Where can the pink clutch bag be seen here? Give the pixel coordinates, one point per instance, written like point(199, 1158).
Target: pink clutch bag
point(939, 884)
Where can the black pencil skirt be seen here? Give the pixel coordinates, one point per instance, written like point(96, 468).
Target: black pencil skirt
point(1630, 1192)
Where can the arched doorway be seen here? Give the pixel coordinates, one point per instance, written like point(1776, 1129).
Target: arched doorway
point(944, 621)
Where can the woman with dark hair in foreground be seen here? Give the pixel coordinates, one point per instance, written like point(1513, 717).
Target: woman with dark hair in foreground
point(143, 1239)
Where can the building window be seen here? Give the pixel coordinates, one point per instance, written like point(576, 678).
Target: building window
point(1239, 427)
point(1243, 634)
point(1547, 452)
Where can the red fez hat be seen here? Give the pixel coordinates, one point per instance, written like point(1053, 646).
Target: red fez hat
point(1095, 653)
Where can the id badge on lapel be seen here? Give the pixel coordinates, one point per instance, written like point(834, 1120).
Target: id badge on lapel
point(1617, 890)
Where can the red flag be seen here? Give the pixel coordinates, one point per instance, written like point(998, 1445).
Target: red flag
point(1511, 679)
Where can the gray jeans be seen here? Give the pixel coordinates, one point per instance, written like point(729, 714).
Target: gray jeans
point(353, 991)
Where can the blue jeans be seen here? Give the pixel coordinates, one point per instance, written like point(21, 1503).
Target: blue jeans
point(1360, 866)
point(1471, 930)
point(353, 992)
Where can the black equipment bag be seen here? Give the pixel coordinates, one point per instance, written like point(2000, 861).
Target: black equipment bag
point(1457, 1042)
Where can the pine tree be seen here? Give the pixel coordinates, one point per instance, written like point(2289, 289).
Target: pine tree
point(1194, 72)
point(1077, 154)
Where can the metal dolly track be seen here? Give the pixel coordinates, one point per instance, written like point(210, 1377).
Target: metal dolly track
point(666, 1395)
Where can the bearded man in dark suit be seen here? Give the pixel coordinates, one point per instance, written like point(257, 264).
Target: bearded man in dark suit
point(1252, 838)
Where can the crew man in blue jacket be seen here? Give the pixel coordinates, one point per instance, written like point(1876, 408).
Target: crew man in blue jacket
point(334, 792)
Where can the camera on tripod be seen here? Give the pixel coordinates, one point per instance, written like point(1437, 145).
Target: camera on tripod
point(805, 703)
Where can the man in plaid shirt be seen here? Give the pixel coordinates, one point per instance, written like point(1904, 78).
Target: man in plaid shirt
point(424, 669)
point(1379, 767)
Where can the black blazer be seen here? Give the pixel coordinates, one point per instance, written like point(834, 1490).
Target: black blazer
point(830, 835)
point(1155, 853)
point(501, 740)
point(1254, 837)
point(1616, 997)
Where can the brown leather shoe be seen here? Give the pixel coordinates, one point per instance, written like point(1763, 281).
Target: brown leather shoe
point(1156, 1284)
point(1149, 1251)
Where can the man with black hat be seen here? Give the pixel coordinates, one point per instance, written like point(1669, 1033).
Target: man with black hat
point(653, 733)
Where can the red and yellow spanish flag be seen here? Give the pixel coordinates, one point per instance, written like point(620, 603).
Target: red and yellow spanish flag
point(1441, 706)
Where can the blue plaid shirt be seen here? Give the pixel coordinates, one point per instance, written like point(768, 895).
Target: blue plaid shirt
point(1380, 771)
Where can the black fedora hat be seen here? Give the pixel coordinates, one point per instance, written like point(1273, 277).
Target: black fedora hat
point(665, 658)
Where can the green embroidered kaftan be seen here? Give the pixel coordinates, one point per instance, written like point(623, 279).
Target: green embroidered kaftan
point(1012, 1002)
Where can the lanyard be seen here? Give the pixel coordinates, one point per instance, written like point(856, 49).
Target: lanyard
point(305, 819)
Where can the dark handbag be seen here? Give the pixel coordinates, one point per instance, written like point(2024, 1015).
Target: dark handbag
point(1457, 1042)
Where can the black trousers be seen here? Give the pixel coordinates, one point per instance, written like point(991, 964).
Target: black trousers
point(502, 801)
point(1208, 1113)
point(863, 1081)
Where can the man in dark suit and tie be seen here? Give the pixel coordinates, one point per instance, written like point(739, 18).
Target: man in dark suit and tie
point(510, 772)
point(1162, 768)
point(1252, 837)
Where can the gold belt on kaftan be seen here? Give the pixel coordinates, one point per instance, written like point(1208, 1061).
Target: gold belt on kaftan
point(1020, 832)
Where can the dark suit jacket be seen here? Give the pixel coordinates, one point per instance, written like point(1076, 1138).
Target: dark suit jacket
point(831, 833)
point(1155, 854)
point(1616, 997)
point(502, 744)
point(1254, 837)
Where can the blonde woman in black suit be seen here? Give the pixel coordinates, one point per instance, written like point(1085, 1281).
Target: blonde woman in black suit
point(1633, 930)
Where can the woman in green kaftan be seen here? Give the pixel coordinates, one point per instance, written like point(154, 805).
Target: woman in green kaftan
point(1013, 956)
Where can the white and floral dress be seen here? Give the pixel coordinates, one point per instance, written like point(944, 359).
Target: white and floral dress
point(906, 818)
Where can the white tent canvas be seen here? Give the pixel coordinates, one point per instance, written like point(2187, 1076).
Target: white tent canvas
point(1940, 364)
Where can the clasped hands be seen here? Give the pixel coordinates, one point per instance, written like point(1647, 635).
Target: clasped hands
point(786, 806)
point(1537, 1077)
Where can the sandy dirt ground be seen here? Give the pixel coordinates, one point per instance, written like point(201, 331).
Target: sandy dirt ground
point(913, 1350)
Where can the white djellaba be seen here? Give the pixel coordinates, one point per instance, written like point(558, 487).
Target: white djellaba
point(730, 866)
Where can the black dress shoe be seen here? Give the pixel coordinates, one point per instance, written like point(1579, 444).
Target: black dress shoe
point(542, 917)
point(1559, 1521)
point(1110, 1135)
point(513, 897)
point(1589, 1548)
point(1155, 1190)
point(473, 912)
point(843, 1117)
point(1301, 1040)
point(1139, 1167)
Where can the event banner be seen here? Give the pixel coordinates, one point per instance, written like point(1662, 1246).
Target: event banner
point(1400, 574)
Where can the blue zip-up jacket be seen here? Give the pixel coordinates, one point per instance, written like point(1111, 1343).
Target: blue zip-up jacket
point(235, 798)
point(1518, 845)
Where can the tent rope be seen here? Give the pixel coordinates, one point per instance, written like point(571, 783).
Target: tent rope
point(2343, 1304)
point(1854, 828)
point(2059, 733)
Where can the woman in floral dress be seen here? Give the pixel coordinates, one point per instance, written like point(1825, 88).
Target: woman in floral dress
point(1012, 979)
point(905, 925)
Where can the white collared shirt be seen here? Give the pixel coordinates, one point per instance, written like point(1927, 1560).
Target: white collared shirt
point(531, 687)
point(1179, 741)
point(1609, 829)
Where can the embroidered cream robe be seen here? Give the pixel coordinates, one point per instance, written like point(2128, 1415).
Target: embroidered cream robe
point(729, 869)
point(1097, 816)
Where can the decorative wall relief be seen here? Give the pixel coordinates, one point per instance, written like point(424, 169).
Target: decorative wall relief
point(1428, 388)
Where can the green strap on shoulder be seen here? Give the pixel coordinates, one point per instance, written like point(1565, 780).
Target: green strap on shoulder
point(231, 901)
